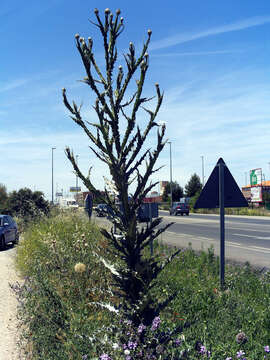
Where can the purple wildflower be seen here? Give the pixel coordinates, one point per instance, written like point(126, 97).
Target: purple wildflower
point(141, 328)
point(85, 357)
point(239, 354)
point(155, 323)
point(267, 348)
point(105, 357)
point(228, 358)
point(132, 345)
point(128, 357)
point(177, 342)
point(203, 349)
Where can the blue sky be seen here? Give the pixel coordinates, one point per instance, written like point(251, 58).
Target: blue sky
point(211, 58)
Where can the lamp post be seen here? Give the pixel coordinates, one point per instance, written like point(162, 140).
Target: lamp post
point(53, 148)
point(202, 171)
point(77, 179)
point(169, 142)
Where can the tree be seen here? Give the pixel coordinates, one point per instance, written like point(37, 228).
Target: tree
point(27, 204)
point(118, 141)
point(177, 192)
point(193, 186)
point(3, 199)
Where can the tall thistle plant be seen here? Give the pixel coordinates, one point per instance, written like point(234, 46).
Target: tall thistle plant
point(134, 273)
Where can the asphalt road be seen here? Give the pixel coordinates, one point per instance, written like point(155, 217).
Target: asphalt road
point(246, 238)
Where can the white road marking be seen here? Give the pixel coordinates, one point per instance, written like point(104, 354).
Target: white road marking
point(255, 237)
point(227, 243)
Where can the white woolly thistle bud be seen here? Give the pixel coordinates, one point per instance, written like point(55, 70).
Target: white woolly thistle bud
point(96, 11)
point(79, 268)
point(64, 90)
point(81, 39)
point(156, 85)
point(121, 20)
point(120, 67)
point(77, 36)
point(149, 32)
point(107, 11)
point(118, 12)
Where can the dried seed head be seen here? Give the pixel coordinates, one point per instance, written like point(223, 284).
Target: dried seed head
point(149, 32)
point(107, 11)
point(64, 90)
point(131, 44)
point(121, 20)
point(118, 12)
point(81, 39)
point(241, 338)
point(146, 55)
point(77, 36)
point(96, 11)
point(156, 85)
point(120, 67)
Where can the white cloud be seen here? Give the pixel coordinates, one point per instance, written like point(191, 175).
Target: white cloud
point(186, 37)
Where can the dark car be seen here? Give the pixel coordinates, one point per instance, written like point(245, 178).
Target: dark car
point(8, 231)
point(179, 208)
point(103, 210)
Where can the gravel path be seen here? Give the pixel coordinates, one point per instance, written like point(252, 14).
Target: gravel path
point(8, 306)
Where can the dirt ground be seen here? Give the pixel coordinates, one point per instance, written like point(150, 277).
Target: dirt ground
point(8, 306)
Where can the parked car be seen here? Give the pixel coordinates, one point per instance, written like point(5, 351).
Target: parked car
point(179, 208)
point(103, 210)
point(8, 231)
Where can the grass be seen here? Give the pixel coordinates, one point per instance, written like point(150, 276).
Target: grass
point(64, 280)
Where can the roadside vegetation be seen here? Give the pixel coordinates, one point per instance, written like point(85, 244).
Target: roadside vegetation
point(66, 281)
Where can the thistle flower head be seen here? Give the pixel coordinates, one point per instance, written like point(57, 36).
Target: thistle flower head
point(107, 11)
point(79, 268)
point(149, 32)
point(118, 12)
point(77, 36)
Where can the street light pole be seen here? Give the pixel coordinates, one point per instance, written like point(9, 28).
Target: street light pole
point(77, 179)
point(202, 171)
point(53, 148)
point(169, 142)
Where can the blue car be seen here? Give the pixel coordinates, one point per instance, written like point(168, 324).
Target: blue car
point(8, 231)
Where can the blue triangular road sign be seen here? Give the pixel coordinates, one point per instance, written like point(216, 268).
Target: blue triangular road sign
point(209, 197)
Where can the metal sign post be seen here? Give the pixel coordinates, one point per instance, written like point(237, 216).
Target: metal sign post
point(221, 190)
point(150, 218)
point(222, 223)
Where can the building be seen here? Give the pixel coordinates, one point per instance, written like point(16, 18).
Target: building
point(254, 193)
